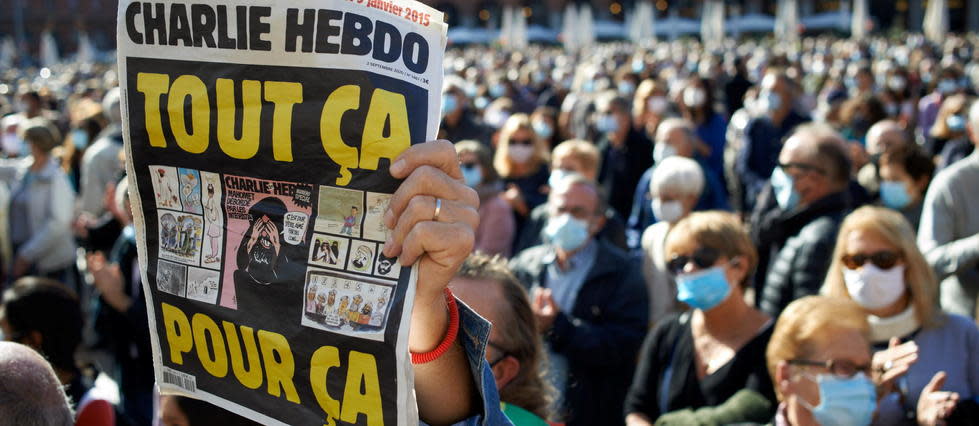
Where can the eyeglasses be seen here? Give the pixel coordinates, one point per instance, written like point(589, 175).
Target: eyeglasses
point(503, 353)
point(884, 259)
point(837, 367)
point(703, 257)
point(468, 165)
point(521, 142)
point(801, 166)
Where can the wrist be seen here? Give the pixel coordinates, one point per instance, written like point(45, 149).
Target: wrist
point(449, 338)
point(429, 322)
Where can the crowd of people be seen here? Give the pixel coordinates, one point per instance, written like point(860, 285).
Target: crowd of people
point(761, 233)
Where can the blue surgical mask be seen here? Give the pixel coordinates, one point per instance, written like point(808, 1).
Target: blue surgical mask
point(626, 88)
point(607, 124)
point(947, 86)
point(556, 176)
point(566, 232)
point(543, 129)
point(449, 104)
point(472, 175)
point(79, 138)
point(894, 194)
point(703, 289)
point(844, 401)
point(955, 123)
point(497, 90)
point(770, 102)
point(784, 187)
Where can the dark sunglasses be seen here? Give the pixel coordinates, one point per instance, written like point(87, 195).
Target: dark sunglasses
point(521, 142)
point(884, 259)
point(838, 367)
point(703, 258)
point(503, 353)
point(801, 166)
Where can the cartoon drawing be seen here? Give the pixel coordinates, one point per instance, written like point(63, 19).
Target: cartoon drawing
point(190, 190)
point(349, 222)
point(165, 184)
point(361, 257)
point(258, 253)
point(212, 213)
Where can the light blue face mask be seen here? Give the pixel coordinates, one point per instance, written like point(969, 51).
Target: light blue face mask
point(955, 123)
point(607, 123)
point(79, 138)
point(784, 186)
point(472, 175)
point(557, 175)
point(703, 289)
point(448, 104)
point(543, 129)
point(566, 232)
point(894, 194)
point(844, 402)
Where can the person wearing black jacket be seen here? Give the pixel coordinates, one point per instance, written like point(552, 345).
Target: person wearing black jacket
point(810, 186)
point(626, 153)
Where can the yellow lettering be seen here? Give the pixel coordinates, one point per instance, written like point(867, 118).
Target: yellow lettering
point(152, 86)
point(362, 369)
point(322, 361)
point(279, 364)
point(178, 332)
point(252, 377)
point(251, 101)
point(215, 362)
point(386, 107)
point(200, 113)
point(341, 100)
point(284, 95)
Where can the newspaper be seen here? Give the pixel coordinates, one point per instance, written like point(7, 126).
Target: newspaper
point(258, 139)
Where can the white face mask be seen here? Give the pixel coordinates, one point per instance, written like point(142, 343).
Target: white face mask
point(670, 211)
point(662, 151)
point(658, 104)
point(521, 153)
point(874, 288)
point(694, 97)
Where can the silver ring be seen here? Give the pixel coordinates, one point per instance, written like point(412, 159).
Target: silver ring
point(438, 209)
point(888, 364)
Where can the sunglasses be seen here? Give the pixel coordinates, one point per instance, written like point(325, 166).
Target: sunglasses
point(884, 259)
point(521, 142)
point(801, 166)
point(838, 367)
point(702, 258)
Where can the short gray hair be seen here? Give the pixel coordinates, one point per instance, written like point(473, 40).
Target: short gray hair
point(677, 174)
point(30, 393)
point(673, 123)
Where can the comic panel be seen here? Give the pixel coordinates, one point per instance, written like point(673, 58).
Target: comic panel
point(345, 304)
point(328, 251)
point(202, 285)
point(181, 235)
point(374, 228)
point(171, 278)
point(266, 225)
point(190, 190)
point(340, 211)
point(165, 186)
point(361, 257)
point(213, 220)
point(387, 267)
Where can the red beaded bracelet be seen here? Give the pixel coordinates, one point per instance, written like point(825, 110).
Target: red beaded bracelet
point(450, 334)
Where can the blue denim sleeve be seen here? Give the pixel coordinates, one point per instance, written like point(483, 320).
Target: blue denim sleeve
point(473, 334)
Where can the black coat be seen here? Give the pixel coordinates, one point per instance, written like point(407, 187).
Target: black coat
point(600, 336)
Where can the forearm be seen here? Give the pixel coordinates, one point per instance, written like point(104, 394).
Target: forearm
point(952, 257)
point(444, 387)
point(637, 419)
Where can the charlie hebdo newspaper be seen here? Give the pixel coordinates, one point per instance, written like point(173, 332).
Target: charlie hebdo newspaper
point(258, 138)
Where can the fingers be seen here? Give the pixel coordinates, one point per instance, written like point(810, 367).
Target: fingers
point(422, 208)
point(428, 180)
point(936, 383)
point(895, 341)
point(440, 154)
point(447, 244)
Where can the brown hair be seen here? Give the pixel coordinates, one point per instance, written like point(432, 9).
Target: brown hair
point(529, 389)
point(718, 230)
point(807, 322)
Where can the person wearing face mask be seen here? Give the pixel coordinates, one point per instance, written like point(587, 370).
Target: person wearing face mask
point(675, 187)
point(459, 122)
point(810, 190)
point(87, 122)
point(497, 226)
point(625, 152)
point(926, 362)
point(521, 161)
point(905, 172)
point(674, 138)
point(945, 85)
point(820, 364)
point(959, 146)
point(702, 360)
point(570, 157)
point(897, 85)
point(763, 135)
point(544, 122)
point(882, 137)
point(590, 304)
point(949, 128)
point(650, 106)
point(697, 107)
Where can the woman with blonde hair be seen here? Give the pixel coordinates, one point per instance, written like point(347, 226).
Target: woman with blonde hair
point(933, 376)
point(702, 359)
point(521, 160)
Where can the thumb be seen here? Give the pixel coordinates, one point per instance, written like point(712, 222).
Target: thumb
point(936, 383)
point(895, 341)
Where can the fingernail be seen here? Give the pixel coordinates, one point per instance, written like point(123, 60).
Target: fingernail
point(397, 167)
point(388, 218)
point(387, 246)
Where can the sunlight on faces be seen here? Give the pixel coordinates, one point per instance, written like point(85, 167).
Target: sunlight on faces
point(897, 173)
point(580, 200)
point(684, 245)
point(859, 241)
point(679, 139)
point(571, 163)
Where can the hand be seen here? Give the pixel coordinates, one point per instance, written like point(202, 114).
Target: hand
point(935, 405)
point(545, 310)
point(892, 363)
point(21, 266)
point(81, 224)
point(108, 281)
point(514, 197)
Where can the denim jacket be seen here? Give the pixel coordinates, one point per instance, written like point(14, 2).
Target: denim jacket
point(473, 334)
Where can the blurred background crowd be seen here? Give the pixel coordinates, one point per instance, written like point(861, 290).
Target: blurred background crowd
point(678, 225)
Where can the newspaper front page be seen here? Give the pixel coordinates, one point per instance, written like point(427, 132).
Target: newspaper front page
point(258, 140)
